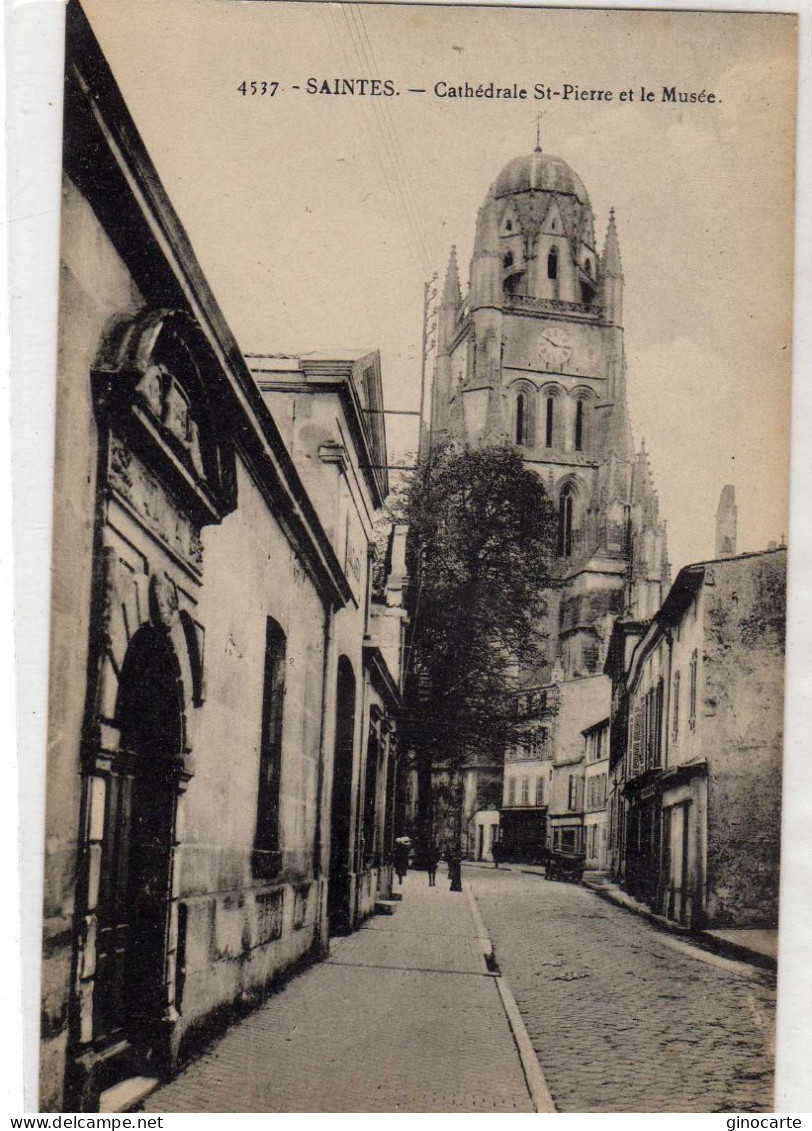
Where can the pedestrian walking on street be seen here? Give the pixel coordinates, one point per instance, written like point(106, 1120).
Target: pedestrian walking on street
point(496, 853)
point(401, 857)
point(432, 857)
point(455, 871)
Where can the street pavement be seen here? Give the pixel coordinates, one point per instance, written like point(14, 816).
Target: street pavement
point(624, 1017)
point(404, 1016)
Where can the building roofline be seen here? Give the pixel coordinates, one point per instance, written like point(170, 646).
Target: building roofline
point(596, 726)
point(327, 371)
point(106, 158)
point(736, 557)
point(374, 662)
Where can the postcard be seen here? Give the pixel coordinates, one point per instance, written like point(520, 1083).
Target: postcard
point(420, 535)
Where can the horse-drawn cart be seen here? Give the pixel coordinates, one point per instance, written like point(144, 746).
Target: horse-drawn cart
point(561, 864)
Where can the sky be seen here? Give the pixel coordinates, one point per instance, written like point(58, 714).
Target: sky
point(317, 218)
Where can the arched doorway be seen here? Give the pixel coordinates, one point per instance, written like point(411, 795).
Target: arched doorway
point(371, 845)
point(135, 877)
point(338, 901)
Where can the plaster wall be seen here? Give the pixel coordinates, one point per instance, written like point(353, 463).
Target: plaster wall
point(532, 769)
point(684, 736)
point(312, 422)
point(583, 703)
point(487, 820)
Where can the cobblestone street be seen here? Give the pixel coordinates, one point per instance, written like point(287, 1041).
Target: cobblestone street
point(622, 1016)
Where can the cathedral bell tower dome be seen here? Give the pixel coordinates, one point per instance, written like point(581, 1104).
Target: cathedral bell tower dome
point(539, 172)
point(541, 213)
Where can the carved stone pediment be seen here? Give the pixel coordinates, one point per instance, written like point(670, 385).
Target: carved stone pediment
point(156, 386)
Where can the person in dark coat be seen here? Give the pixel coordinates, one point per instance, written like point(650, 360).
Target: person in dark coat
point(432, 858)
point(400, 858)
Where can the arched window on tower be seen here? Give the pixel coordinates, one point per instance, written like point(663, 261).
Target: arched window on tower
point(579, 425)
point(552, 263)
point(525, 419)
point(566, 503)
point(508, 260)
point(549, 427)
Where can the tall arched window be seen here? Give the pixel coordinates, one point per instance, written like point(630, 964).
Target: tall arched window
point(549, 428)
point(565, 508)
point(552, 263)
point(266, 841)
point(371, 795)
point(579, 425)
point(525, 418)
point(521, 412)
point(341, 850)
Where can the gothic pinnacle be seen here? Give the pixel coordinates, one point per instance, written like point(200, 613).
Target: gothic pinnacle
point(452, 295)
point(610, 260)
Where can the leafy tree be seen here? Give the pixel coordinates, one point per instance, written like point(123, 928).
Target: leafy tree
point(480, 548)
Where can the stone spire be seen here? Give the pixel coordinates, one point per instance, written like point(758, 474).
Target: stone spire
point(649, 568)
point(726, 521)
point(612, 275)
point(643, 492)
point(442, 395)
point(452, 294)
point(610, 260)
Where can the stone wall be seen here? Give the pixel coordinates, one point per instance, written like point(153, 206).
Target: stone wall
point(743, 705)
point(240, 932)
point(231, 934)
point(95, 287)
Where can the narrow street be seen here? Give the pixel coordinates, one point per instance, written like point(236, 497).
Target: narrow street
point(407, 1015)
point(403, 1016)
point(622, 1016)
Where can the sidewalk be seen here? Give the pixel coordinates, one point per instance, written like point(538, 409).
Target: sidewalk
point(758, 947)
point(403, 1016)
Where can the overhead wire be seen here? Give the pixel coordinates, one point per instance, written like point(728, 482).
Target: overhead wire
point(391, 133)
point(393, 174)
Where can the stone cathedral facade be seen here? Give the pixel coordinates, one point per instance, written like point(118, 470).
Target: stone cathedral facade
point(534, 354)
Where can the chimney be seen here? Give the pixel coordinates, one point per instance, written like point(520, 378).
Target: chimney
point(726, 523)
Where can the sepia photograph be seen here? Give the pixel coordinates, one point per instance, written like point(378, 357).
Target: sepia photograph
point(419, 570)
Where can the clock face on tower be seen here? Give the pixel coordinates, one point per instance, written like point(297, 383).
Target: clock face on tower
point(555, 349)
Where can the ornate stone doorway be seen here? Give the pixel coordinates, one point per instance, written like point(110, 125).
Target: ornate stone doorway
point(129, 996)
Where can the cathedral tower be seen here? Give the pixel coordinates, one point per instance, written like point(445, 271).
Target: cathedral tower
point(535, 355)
point(726, 522)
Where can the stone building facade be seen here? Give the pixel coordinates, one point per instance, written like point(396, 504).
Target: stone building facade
point(584, 704)
point(534, 354)
point(528, 775)
point(696, 751)
point(224, 681)
point(596, 769)
point(328, 410)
